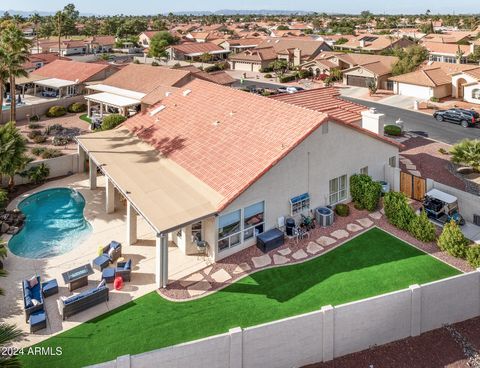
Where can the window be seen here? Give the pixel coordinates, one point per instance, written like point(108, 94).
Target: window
point(229, 230)
point(299, 203)
point(476, 93)
point(338, 189)
point(392, 161)
point(364, 170)
point(253, 220)
point(197, 231)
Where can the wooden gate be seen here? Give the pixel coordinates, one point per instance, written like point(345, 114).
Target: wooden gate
point(413, 186)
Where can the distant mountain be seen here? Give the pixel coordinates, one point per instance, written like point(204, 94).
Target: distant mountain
point(244, 12)
point(26, 14)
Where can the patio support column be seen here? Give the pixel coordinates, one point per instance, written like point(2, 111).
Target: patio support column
point(131, 224)
point(34, 89)
point(89, 109)
point(81, 159)
point(109, 196)
point(101, 109)
point(161, 260)
point(93, 174)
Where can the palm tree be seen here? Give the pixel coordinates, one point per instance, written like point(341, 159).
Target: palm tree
point(3, 80)
point(35, 19)
point(15, 47)
point(13, 149)
point(59, 20)
point(9, 333)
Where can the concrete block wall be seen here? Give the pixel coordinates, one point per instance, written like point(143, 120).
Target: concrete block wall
point(59, 166)
point(325, 334)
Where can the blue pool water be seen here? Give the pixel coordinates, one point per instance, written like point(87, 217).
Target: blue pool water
point(54, 224)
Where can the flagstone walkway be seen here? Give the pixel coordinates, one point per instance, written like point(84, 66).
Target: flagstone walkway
point(320, 241)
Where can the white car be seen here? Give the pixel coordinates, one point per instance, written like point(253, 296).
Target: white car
point(293, 89)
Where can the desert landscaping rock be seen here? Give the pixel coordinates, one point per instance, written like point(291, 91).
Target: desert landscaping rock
point(365, 222)
point(285, 252)
point(375, 215)
point(221, 276)
point(199, 288)
point(278, 259)
point(262, 261)
point(191, 279)
point(325, 241)
point(242, 267)
point(314, 248)
point(299, 254)
point(353, 228)
point(340, 234)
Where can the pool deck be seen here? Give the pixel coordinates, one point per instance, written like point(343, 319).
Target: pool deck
point(106, 227)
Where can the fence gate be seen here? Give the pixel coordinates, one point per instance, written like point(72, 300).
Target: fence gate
point(413, 186)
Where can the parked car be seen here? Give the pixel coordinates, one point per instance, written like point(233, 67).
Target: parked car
point(442, 207)
point(290, 89)
point(463, 117)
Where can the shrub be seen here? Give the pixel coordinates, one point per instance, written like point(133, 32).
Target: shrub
point(342, 210)
point(473, 256)
point(34, 126)
point(34, 133)
point(38, 174)
point(286, 78)
point(322, 76)
point(422, 229)
point(267, 69)
point(111, 121)
point(136, 61)
point(40, 138)
point(443, 151)
point(154, 63)
point(392, 130)
point(365, 192)
point(50, 153)
point(37, 151)
point(56, 111)
point(467, 152)
point(434, 99)
point(397, 210)
point(59, 140)
point(304, 74)
point(453, 241)
point(77, 107)
point(268, 75)
point(35, 118)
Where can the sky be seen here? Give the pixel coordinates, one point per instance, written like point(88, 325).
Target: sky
point(164, 6)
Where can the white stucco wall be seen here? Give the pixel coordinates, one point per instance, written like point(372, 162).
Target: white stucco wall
point(309, 168)
point(423, 93)
point(467, 93)
point(455, 79)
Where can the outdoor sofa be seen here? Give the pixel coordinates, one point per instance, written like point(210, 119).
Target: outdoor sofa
point(78, 303)
point(110, 254)
point(32, 297)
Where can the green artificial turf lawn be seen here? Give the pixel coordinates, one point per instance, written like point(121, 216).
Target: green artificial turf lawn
point(370, 264)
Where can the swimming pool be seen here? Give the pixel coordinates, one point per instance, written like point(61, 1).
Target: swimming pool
point(54, 224)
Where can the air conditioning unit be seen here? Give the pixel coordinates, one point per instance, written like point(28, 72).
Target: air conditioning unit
point(324, 216)
point(476, 219)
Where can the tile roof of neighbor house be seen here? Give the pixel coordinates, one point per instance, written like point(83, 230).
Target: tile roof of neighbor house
point(372, 42)
point(196, 47)
point(251, 133)
point(358, 59)
point(307, 45)
point(70, 70)
point(245, 41)
point(256, 55)
point(42, 57)
point(447, 37)
point(449, 49)
point(101, 40)
point(145, 78)
point(219, 77)
point(424, 77)
point(326, 100)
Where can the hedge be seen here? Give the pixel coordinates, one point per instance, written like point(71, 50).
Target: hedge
point(473, 256)
point(56, 111)
point(77, 107)
point(392, 130)
point(453, 241)
point(286, 78)
point(397, 210)
point(111, 121)
point(365, 192)
point(422, 229)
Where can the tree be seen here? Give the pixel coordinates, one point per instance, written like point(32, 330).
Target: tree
point(3, 79)
point(16, 53)
point(9, 333)
point(459, 54)
point(409, 59)
point(397, 210)
point(70, 17)
point(280, 67)
point(282, 28)
point(159, 43)
point(59, 20)
point(422, 228)
point(341, 41)
point(35, 20)
point(452, 240)
point(13, 150)
point(372, 86)
point(205, 57)
point(467, 152)
point(91, 27)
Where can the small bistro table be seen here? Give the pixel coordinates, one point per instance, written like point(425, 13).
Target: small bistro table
point(77, 277)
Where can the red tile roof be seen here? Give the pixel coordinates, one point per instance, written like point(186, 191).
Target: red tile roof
point(225, 137)
point(326, 100)
point(70, 70)
point(195, 47)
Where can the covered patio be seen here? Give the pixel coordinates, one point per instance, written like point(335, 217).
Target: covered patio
point(125, 101)
point(176, 205)
point(54, 87)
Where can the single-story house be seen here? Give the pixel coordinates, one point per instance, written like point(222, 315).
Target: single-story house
point(217, 165)
point(449, 52)
point(74, 47)
point(239, 45)
point(466, 85)
point(373, 43)
point(36, 61)
point(99, 44)
point(253, 60)
point(194, 50)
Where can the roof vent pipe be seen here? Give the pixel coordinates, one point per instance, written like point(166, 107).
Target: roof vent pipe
point(187, 92)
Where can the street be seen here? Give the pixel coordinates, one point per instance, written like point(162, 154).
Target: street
point(415, 122)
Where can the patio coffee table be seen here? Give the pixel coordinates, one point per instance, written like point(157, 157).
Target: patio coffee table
point(77, 277)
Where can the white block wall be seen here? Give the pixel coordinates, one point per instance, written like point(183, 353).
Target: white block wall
point(325, 334)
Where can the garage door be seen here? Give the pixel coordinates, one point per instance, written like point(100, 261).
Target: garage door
point(243, 66)
point(354, 80)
